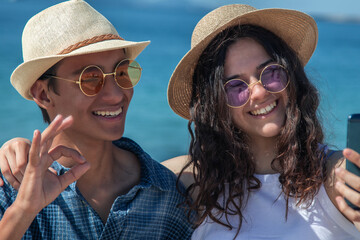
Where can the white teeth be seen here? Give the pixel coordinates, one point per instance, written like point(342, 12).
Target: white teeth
point(108, 113)
point(264, 110)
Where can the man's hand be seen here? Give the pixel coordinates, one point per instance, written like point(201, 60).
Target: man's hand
point(14, 153)
point(40, 185)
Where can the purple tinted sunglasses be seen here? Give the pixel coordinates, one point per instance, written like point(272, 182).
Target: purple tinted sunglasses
point(274, 78)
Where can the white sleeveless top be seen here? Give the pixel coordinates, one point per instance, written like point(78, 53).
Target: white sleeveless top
point(264, 218)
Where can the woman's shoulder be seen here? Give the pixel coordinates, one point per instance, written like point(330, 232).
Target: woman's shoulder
point(176, 164)
point(334, 160)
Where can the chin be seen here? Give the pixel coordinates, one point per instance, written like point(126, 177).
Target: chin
point(112, 136)
point(271, 131)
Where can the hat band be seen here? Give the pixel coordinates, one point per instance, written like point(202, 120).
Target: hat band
point(90, 41)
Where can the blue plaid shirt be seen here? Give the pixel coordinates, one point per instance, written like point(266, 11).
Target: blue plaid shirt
point(148, 211)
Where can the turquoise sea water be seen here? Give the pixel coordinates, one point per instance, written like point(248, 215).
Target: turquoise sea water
point(334, 68)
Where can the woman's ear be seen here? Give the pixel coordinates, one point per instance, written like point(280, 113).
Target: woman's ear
point(40, 93)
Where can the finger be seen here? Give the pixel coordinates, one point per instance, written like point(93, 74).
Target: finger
point(73, 174)
point(67, 122)
point(62, 151)
point(21, 156)
point(6, 172)
point(34, 158)
point(45, 146)
point(53, 170)
point(352, 156)
point(350, 213)
point(49, 133)
point(13, 167)
point(53, 126)
point(56, 126)
point(348, 193)
point(6, 154)
point(348, 178)
point(17, 159)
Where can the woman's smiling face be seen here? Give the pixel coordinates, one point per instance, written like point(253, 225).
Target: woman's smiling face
point(264, 114)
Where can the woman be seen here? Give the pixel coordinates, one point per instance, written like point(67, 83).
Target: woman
point(257, 167)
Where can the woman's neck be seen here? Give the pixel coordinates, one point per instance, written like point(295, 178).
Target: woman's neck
point(264, 151)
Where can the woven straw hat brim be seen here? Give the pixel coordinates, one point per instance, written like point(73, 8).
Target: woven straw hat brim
point(24, 75)
point(297, 29)
point(69, 28)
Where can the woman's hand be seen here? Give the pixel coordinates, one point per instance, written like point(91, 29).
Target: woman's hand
point(351, 195)
point(13, 160)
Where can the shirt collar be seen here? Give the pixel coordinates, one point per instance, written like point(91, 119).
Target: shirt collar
point(152, 172)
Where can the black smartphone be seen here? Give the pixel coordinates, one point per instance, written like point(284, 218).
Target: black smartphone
point(353, 142)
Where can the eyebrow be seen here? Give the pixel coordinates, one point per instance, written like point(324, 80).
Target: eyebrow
point(78, 71)
point(261, 66)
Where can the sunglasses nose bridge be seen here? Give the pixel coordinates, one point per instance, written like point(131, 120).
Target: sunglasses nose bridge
point(250, 86)
point(259, 92)
point(108, 74)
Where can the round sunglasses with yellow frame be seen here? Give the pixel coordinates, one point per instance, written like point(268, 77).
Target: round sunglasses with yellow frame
point(274, 78)
point(127, 74)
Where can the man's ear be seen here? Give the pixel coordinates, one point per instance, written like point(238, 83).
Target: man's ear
point(40, 93)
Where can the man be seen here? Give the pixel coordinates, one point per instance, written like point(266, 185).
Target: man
point(76, 65)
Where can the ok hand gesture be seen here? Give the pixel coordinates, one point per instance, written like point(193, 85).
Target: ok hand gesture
point(40, 185)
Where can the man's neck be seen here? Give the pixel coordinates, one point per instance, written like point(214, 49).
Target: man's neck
point(113, 172)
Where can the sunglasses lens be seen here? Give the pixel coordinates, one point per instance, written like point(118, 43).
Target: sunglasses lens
point(237, 92)
point(128, 73)
point(274, 78)
point(91, 80)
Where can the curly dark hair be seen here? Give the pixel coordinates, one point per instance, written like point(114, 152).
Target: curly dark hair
point(220, 156)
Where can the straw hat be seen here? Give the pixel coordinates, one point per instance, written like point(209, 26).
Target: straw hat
point(297, 29)
point(67, 29)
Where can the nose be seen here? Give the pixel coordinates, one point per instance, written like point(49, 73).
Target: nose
point(111, 91)
point(258, 92)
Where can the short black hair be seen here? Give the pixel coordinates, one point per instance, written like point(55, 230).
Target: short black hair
point(51, 86)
